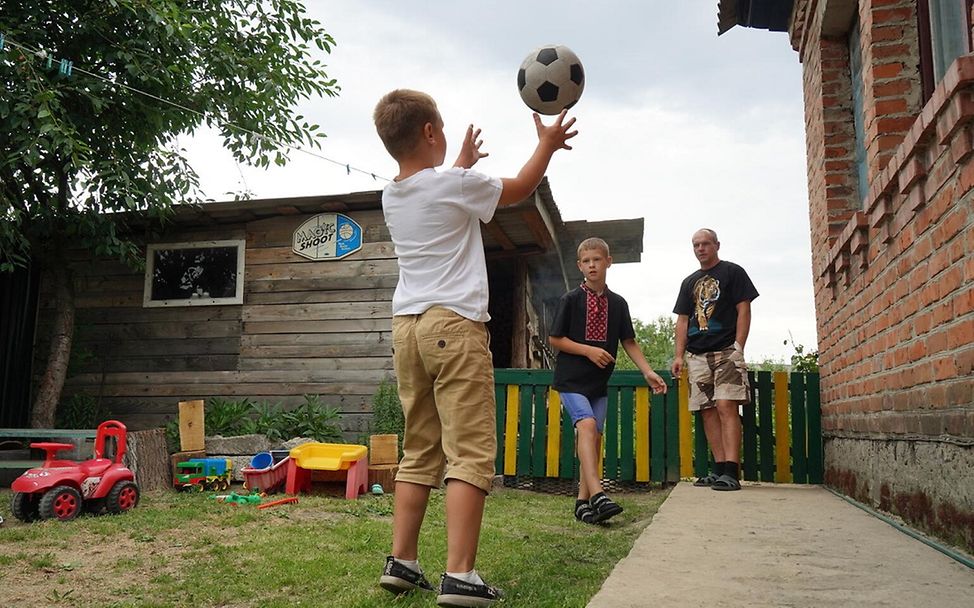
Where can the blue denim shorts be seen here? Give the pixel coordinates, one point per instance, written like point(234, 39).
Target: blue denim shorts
point(580, 407)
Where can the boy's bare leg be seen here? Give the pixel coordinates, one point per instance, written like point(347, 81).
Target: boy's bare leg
point(464, 514)
point(409, 508)
point(588, 458)
point(712, 429)
point(730, 430)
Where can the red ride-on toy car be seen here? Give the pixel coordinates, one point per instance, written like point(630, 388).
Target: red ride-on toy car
point(60, 488)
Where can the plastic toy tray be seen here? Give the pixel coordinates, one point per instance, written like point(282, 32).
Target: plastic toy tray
point(269, 479)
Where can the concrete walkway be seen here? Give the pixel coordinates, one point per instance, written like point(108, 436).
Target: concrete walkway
point(779, 545)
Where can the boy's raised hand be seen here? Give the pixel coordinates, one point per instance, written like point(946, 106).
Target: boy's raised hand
point(556, 135)
point(470, 149)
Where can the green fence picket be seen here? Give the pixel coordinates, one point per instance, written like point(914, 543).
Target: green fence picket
point(701, 451)
point(500, 400)
point(749, 462)
point(657, 439)
point(567, 460)
point(813, 410)
point(671, 404)
point(799, 444)
point(524, 430)
point(610, 465)
point(539, 451)
point(766, 426)
point(627, 438)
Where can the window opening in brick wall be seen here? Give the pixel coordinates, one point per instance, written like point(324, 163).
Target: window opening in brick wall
point(944, 34)
point(203, 273)
point(858, 113)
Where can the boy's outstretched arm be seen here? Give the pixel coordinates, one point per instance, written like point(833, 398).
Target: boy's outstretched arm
point(550, 140)
point(653, 379)
point(470, 149)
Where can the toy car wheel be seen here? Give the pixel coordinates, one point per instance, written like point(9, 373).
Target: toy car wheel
point(62, 502)
point(124, 496)
point(25, 507)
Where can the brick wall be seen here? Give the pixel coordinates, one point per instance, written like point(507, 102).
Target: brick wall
point(894, 275)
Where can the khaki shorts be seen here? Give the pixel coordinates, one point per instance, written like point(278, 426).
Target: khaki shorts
point(719, 375)
point(446, 384)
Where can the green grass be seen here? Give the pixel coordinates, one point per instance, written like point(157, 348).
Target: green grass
point(187, 550)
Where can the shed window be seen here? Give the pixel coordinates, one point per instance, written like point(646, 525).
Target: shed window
point(204, 273)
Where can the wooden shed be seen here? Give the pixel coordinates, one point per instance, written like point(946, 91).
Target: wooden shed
point(279, 325)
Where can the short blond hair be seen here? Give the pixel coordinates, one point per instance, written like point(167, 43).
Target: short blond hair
point(592, 243)
point(399, 119)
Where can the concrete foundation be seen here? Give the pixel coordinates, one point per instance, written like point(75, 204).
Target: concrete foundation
point(927, 482)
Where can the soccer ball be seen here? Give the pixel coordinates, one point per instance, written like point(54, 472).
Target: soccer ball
point(551, 79)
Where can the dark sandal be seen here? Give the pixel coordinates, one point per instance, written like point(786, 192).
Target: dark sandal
point(603, 508)
point(584, 513)
point(705, 482)
point(726, 483)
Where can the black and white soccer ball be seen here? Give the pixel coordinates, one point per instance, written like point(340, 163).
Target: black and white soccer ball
point(551, 79)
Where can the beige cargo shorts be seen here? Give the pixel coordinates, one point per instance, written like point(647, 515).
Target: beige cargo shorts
point(717, 376)
point(446, 384)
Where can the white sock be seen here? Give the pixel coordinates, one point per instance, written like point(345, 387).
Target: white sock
point(412, 564)
point(468, 577)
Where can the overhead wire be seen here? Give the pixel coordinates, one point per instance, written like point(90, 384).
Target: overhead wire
point(67, 67)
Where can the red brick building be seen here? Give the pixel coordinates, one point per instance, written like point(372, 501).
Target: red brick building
point(889, 119)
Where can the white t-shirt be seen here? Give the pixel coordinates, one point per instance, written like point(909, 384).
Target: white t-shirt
point(434, 219)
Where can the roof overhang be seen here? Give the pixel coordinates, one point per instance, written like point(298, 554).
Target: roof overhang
point(771, 15)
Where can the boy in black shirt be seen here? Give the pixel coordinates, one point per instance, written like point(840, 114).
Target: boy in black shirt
point(714, 318)
point(589, 324)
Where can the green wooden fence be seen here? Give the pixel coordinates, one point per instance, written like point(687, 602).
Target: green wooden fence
point(653, 438)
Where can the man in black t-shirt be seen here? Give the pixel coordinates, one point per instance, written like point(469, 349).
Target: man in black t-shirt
point(713, 319)
point(589, 325)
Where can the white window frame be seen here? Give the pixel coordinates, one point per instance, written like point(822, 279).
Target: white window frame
point(237, 298)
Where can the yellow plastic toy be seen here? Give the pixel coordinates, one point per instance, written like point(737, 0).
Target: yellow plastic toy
point(329, 457)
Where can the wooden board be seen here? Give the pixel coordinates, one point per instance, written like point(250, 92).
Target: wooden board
point(384, 449)
point(191, 425)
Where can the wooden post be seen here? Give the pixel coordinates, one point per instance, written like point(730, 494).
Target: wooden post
point(191, 426)
point(146, 455)
point(384, 475)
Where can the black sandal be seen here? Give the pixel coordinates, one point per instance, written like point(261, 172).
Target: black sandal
point(726, 483)
point(705, 482)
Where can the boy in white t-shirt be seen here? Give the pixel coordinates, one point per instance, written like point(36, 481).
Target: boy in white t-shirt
point(440, 344)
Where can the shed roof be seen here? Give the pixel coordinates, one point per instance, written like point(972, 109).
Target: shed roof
point(771, 15)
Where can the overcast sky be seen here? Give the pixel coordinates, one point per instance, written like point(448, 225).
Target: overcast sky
point(676, 126)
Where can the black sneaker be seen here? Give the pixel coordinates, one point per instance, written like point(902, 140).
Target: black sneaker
point(400, 579)
point(604, 508)
point(584, 512)
point(455, 592)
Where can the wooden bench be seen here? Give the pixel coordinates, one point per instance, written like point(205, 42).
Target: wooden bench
point(79, 437)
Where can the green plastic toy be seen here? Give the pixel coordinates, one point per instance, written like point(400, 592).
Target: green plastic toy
point(239, 499)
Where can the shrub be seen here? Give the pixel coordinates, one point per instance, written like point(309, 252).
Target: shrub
point(80, 412)
point(311, 419)
point(387, 417)
point(229, 418)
